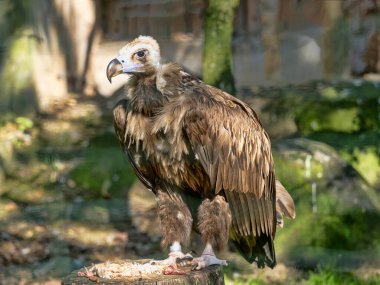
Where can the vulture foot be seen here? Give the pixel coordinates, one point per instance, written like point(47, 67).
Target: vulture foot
point(175, 259)
point(206, 260)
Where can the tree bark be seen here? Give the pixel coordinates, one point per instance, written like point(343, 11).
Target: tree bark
point(336, 41)
point(217, 59)
point(66, 33)
point(212, 275)
point(272, 61)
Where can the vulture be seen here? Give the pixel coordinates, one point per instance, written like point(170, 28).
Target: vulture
point(205, 156)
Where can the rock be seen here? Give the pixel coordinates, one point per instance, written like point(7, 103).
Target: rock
point(302, 161)
point(337, 210)
point(14, 250)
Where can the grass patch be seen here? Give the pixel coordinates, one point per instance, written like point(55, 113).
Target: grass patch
point(322, 276)
point(331, 277)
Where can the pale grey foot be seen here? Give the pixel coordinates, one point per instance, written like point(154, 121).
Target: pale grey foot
point(176, 257)
point(207, 258)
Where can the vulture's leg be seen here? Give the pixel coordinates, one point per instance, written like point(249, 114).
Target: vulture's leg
point(214, 220)
point(176, 224)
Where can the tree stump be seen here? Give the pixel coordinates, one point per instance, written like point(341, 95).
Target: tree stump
point(213, 275)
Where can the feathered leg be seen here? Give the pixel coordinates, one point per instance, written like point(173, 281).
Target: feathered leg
point(176, 223)
point(214, 220)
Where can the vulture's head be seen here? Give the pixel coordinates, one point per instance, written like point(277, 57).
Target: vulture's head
point(140, 56)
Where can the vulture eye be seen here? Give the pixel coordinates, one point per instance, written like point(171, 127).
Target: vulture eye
point(140, 54)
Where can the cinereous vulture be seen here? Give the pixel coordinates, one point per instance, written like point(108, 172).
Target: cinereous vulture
point(203, 153)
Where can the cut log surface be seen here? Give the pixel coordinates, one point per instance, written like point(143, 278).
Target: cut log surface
point(137, 272)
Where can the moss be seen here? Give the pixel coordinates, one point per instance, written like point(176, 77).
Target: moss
point(367, 162)
point(217, 60)
point(359, 150)
point(16, 87)
point(318, 118)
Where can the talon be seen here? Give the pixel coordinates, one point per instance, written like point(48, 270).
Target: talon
point(185, 259)
point(188, 256)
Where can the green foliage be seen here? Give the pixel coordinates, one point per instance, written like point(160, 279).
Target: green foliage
point(353, 230)
point(322, 276)
point(330, 277)
point(367, 162)
point(24, 123)
point(339, 120)
point(104, 171)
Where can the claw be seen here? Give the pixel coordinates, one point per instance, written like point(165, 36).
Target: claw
point(186, 260)
point(175, 259)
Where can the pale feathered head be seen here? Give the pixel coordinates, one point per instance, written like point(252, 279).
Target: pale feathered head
point(140, 56)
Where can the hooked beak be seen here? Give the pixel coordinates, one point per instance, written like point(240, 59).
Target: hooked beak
point(114, 68)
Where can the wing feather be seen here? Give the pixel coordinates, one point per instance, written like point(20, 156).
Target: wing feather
point(234, 150)
point(120, 123)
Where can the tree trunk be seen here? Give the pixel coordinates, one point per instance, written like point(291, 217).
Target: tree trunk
point(16, 42)
point(212, 275)
point(66, 33)
point(47, 47)
point(272, 62)
point(77, 25)
point(336, 41)
point(217, 59)
point(49, 63)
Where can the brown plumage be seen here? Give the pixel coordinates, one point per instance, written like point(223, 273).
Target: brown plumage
point(184, 137)
point(214, 216)
point(173, 211)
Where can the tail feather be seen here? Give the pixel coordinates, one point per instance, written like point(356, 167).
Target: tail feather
point(284, 204)
point(256, 249)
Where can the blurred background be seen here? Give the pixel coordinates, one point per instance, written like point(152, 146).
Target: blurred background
point(68, 197)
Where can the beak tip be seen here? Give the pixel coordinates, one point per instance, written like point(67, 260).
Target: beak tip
point(114, 68)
